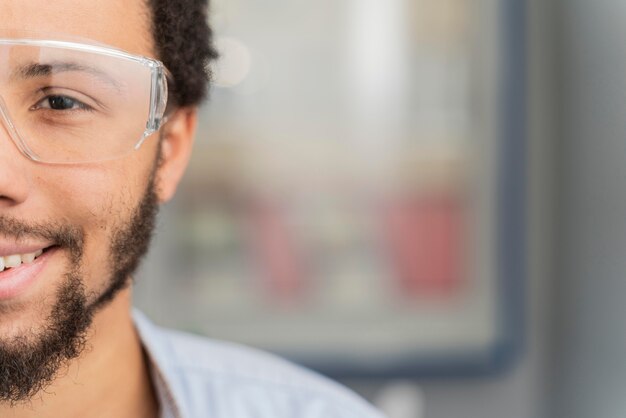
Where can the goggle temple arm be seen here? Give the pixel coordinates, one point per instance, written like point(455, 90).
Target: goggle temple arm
point(158, 98)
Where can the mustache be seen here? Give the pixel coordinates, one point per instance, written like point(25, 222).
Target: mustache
point(69, 237)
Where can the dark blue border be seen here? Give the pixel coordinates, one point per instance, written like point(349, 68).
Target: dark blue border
point(511, 237)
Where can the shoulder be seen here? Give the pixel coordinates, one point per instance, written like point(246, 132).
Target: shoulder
point(232, 380)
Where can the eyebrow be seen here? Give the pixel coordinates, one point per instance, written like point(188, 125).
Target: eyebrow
point(35, 70)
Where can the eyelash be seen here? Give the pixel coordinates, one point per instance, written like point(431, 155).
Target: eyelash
point(45, 104)
point(76, 104)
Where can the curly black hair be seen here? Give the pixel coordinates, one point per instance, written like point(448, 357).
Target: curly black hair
point(184, 42)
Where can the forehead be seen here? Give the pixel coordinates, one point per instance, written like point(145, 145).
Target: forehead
point(124, 24)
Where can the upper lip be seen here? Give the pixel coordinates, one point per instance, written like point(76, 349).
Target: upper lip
point(8, 248)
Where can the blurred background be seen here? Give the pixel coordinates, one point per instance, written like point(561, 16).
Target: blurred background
point(421, 198)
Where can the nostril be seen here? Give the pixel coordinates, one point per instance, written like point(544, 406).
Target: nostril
point(5, 202)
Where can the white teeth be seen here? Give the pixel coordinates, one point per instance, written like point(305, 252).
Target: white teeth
point(11, 261)
point(28, 258)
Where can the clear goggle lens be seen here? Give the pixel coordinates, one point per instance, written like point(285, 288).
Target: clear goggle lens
point(66, 102)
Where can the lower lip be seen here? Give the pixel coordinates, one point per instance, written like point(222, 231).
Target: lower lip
point(15, 281)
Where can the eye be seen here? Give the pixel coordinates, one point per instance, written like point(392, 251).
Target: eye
point(60, 102)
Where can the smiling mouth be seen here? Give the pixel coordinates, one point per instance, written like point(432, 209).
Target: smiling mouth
point(13, 261)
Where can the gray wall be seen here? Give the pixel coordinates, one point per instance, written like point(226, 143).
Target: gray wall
point(590, 322)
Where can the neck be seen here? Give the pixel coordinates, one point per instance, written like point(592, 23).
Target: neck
point(111, 376)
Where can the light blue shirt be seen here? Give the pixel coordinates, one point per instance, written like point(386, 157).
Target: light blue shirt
point(196, 377)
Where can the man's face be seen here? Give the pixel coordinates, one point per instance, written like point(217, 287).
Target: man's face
point(94, 219)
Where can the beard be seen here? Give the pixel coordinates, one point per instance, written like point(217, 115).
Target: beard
point(30, 363)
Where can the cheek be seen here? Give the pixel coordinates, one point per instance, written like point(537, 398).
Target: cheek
point(90, 197)
point(97, 198)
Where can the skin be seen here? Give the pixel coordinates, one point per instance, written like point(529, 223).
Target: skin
point(108, 192)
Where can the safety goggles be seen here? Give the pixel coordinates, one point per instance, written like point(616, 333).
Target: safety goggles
point(67, 102)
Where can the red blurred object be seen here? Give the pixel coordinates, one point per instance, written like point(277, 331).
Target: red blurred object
point(275, 246)
point(424, 239)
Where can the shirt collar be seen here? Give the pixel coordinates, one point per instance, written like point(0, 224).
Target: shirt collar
point(169, 404)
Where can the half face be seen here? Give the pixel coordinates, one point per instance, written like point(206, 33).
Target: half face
point(77, 227)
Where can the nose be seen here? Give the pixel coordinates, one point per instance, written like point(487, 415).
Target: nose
point(14, 180)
